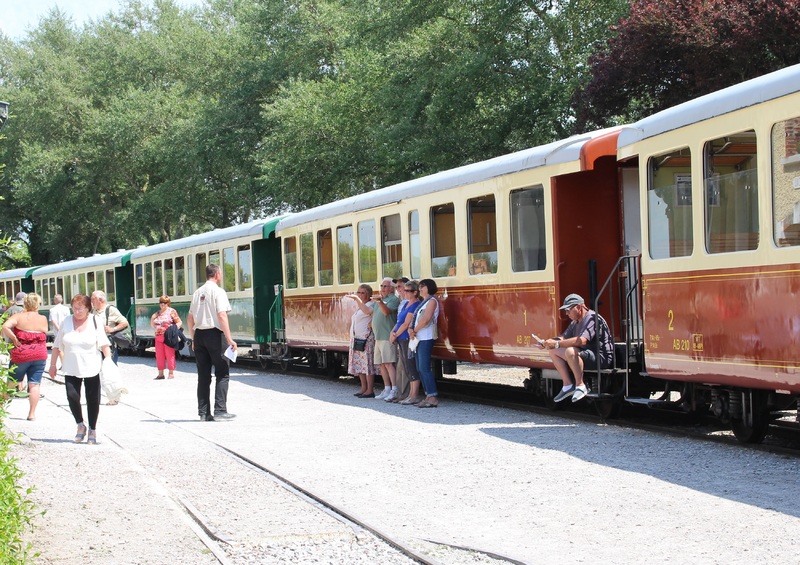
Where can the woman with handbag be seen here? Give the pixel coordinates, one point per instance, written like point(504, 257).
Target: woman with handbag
point(27, 332)
point(423, 328)
point(362, 342)
point(160, 321)
point(79, 337)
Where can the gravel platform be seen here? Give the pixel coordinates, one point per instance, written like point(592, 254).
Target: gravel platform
point(531, 488)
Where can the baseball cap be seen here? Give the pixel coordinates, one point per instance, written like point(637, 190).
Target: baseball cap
point(572, 300)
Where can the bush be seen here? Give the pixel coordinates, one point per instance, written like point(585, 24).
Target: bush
point(16, 509)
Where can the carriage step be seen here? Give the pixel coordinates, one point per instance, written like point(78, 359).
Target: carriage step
point(648, 401)
point(600, 396)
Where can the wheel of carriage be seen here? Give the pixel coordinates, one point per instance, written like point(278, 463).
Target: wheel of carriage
point(285, 364)
point(610, 407)
point(263, 362)
point(753, 430)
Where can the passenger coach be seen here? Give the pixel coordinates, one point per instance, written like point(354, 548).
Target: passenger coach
point(251, 275)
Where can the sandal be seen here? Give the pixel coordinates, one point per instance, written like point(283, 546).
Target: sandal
point(159, 378)
point(112, 402)
point(92, 439)
point(427, 404)
point(80, 434)
point(411, 400)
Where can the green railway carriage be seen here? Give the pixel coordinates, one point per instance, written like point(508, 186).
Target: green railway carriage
point(16, 280)
point(84, 275)
point(250, 259)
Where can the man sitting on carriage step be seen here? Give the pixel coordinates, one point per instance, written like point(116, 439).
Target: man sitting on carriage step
point(576, 348)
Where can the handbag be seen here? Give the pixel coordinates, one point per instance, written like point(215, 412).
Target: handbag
point(123, 339)
point(359, 343)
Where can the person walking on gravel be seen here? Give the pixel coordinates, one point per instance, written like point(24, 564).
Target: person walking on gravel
point(210, 333)
point(575, 348)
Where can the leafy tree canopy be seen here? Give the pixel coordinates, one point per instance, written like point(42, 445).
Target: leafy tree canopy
point(670, 51)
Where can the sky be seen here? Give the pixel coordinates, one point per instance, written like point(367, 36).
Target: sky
point(26, 14)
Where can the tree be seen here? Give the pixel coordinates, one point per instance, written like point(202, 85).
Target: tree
point(670, 51)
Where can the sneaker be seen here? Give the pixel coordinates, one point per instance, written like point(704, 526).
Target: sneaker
point(391, 396)
point(564, 394)
point(580, 392)
point(224, 416)
point(384, 393)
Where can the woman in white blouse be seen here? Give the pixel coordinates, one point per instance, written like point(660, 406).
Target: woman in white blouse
point(80, 337)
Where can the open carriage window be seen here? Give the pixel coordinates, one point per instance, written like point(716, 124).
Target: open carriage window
point(669, 204)
point(786, 182)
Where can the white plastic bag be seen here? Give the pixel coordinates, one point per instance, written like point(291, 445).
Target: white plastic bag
point(111, 380)
point(413, 343)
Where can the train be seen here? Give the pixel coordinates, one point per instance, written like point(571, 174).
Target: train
point(682, 230)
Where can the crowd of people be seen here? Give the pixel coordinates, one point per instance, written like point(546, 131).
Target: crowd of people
point(392, 334)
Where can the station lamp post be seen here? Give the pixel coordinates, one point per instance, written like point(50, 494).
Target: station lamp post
point(3, 114)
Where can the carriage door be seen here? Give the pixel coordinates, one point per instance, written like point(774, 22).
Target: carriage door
point(588, 231)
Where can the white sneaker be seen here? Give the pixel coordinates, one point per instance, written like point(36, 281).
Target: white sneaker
point(383, 394)
point(580, 392)
point(391, 396)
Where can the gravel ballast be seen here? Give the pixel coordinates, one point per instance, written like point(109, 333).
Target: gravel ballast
point(534, 488)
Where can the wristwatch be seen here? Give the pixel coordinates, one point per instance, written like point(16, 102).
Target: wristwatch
point(556, 346)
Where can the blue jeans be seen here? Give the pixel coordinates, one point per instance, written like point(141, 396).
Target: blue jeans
point(424, 350)
point(33, 369)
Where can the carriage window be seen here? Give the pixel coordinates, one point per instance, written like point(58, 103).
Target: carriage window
point(443, 241)
point(201, 262)
point(290, 254)
point(139, 281)
point(245, 268)
point(669, 205)
point(307, 259)
point(392, 246)
point(110, 288)
point(325, 257)
point(39, 291)
point(482, 235)
point(81, 283)
point(228, 269)
point(60, 286)
point(786, 182)
point(415, 251)
point(67, 294)
point(158, 285)
point(367, 252)
point(344, 239)
point(17, 287)
point(213, 259)
point(45, 294)
point(90, 287)
point(100, 281)
point(731, 193)
point(148, 280)
point(527, 230)
point(169, 277)
point(180, 276)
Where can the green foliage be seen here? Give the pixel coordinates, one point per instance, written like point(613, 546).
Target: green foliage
point(18, 509)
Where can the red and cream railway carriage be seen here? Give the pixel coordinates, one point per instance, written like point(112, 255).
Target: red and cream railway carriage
point(720, 179)
point(505, 240)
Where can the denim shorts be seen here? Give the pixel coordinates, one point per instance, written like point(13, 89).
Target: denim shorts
point(33, 369)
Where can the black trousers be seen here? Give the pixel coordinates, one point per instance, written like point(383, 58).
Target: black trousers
point(73, 385)
point(209, 346)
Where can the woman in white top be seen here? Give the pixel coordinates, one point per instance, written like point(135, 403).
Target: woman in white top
point(80, 337)
point(422, 328)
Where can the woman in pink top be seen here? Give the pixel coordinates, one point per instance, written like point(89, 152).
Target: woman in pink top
point(27, 332)
point(160, 321)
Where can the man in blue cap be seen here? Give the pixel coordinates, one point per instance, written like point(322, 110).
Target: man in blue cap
point(576, 347)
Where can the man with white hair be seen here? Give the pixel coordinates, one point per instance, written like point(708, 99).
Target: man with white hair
point(19, 304)
point(112, 318)
point(57, 315)
point(384, 317)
